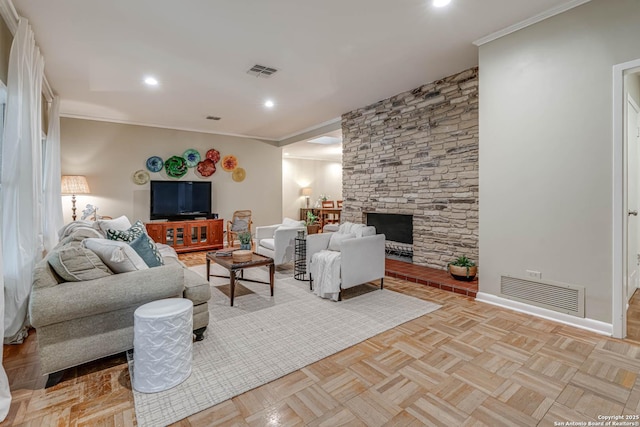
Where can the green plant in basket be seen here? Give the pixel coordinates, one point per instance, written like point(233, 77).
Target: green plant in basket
point(462, 263)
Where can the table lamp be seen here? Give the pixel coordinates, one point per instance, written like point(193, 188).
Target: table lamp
point(74, 184)
point(306, 192)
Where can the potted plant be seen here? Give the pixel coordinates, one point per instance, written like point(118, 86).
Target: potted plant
point(462, 268)
point(312, 223)
point(245, 240)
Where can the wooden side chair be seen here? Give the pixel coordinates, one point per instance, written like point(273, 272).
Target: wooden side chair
point(339, 204)
point(240, 221)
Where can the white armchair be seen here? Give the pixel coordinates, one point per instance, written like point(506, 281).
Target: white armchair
point(277, 241)
point(361, 259)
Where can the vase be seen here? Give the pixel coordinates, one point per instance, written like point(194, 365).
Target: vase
point(245, 246)
point(461, 273)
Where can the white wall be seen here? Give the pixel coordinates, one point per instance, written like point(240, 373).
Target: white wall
point(322, 176)
point(109, 153)
point(546, 149)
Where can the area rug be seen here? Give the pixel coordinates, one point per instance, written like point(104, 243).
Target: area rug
point(263, 338)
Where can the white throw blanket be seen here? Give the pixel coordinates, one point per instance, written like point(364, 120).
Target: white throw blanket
point(325, 271)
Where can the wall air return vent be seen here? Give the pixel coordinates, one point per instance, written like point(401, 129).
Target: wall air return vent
point(559, 297)
point(261, 71)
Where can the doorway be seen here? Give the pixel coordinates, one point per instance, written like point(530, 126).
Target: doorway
point(626, 196)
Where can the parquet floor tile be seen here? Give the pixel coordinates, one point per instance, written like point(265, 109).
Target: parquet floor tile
point(467, 364)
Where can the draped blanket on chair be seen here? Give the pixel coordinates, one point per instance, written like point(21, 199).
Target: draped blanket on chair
point(325, 271)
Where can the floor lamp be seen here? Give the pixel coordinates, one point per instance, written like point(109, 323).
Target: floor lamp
point(74, 184)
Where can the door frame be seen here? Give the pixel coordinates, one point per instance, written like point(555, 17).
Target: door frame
point(619, 309)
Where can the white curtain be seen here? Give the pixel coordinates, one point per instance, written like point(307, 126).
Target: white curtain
point(53, 219)
point(5, 393)
point(22, 238)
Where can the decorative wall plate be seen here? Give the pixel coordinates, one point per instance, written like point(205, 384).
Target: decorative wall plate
point(176, 167)
point(213, 155)
point(206, 168)
point(141, 177)
point(239, 174)
point(229, 163)
point(192, 157)
point(154, 164)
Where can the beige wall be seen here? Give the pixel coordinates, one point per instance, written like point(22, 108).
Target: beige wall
point(322, 176)
point(546, 149)
point(109, 153)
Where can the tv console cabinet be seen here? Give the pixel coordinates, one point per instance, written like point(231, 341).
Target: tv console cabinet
point(188, 236)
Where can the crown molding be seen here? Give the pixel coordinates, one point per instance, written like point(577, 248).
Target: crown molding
point(528, 22)
point(156, 125)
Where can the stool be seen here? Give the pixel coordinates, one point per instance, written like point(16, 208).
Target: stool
point(162, 344)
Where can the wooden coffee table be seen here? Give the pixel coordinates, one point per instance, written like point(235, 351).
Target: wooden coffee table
point(227, 262)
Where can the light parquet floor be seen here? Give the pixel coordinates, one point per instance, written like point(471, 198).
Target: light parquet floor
point(466, 364)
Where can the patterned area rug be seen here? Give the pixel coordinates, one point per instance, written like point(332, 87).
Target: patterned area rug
point(263, 338)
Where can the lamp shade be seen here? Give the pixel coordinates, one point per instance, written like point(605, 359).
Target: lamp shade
point(306, 191)
point(74, 184)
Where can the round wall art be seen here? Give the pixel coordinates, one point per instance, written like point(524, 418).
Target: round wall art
point(206, 168)
point(176, 167)
point(140, 177)
point(213, 155)
point(154, 164)
point(192, 157)
point(239, 174)
point(229, 163)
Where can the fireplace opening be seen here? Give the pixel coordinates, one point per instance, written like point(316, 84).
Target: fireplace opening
point(398, 231)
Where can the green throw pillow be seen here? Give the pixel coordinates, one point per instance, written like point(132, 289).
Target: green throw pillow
point(147, 249)
point(129, 235)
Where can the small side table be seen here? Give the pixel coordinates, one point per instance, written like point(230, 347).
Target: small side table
point(162, 344)
point(300, 260)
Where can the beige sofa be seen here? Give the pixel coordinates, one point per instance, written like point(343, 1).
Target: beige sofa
point(81, 321)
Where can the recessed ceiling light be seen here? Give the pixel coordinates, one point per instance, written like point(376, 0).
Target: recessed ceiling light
point(151, 81)
point(269, 103)
point(441, 3)
point(286, 154)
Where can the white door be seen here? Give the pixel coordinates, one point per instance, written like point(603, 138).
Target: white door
point(633, 196)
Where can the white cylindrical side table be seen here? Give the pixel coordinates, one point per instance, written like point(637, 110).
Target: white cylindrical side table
point(162, 344)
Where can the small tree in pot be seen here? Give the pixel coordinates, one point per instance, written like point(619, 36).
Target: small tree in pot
point(312, 223)
point(245, 240)
point(463, 269)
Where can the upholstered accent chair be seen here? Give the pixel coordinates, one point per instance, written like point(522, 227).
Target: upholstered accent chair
point(240, 222)
point(278, 241)
point(358, 252)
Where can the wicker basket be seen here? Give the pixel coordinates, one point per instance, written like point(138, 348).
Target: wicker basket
point(241, 256)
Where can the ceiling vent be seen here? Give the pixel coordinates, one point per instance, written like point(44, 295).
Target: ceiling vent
point(213, 118)
point(261, 71)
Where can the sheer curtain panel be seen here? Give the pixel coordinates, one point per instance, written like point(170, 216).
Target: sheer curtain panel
point(5, 393)
point(52, 221)
point(22, 239)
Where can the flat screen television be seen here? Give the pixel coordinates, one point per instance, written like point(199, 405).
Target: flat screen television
point(177, 200)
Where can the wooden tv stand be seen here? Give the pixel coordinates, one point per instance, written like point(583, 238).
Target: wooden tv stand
point(188, 236)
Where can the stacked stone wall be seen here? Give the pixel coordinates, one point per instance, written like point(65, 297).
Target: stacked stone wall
point(417, 153)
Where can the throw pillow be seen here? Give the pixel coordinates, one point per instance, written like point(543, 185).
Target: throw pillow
point(75, 264)
point(288, 222)
point(118, 256)
point(120, 223)
point(147, 249)
point(128, 235)
point(337, 239)
point(240, 225)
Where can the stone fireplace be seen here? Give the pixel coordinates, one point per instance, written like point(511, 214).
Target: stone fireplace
point(416, 154)
point(398, 230)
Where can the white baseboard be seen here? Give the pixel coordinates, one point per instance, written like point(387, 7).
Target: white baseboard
point(582, 323)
